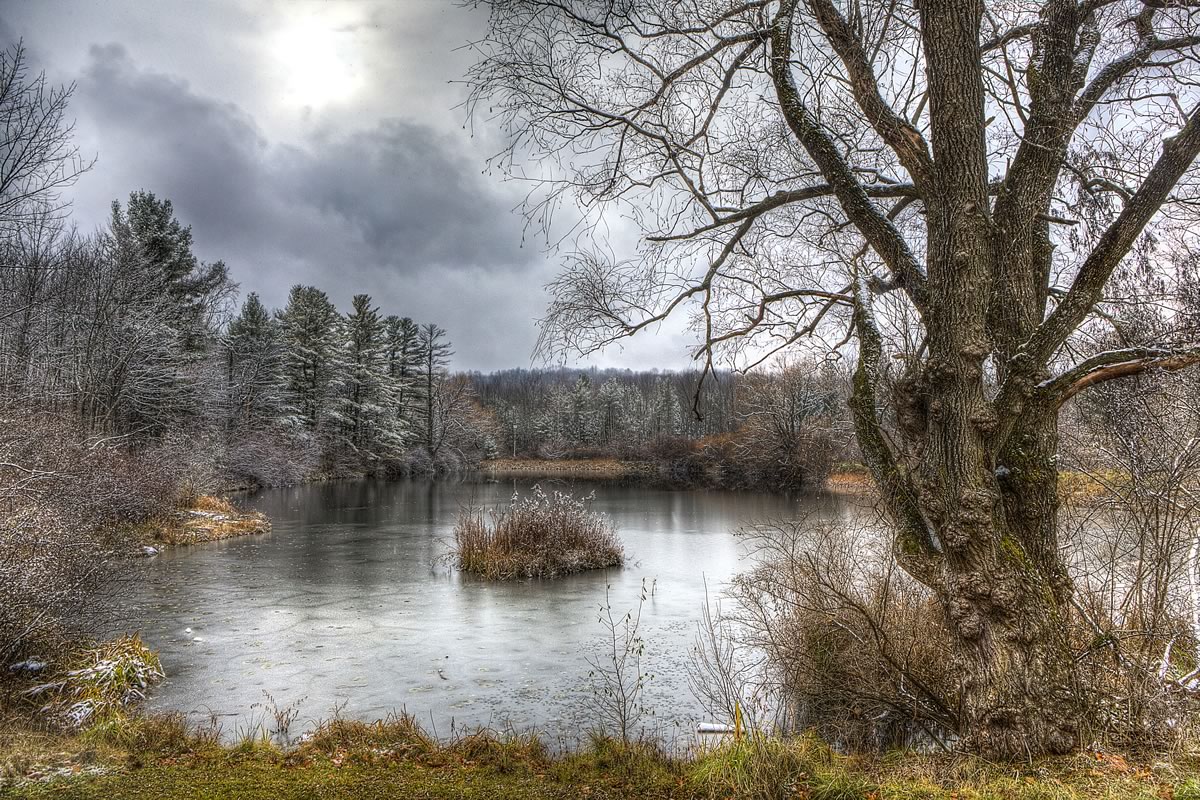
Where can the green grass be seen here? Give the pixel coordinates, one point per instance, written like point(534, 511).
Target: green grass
point(395, 758)
point(257, 779)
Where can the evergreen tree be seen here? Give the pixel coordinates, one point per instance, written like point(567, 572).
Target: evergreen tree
point(310, 330)
point(404, 367)
point(151, 323)
point(158, 248)
point(581, 419)
point(611, 411)
point(253, 362)
point(435, 352)
point(667, 414)
point(368, 423)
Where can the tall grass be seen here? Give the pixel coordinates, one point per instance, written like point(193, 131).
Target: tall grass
point(537, 536)
point(106, 683)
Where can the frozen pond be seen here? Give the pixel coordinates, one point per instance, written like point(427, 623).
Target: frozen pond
point(349, 602)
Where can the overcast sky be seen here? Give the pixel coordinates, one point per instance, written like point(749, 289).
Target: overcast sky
point(311, 142)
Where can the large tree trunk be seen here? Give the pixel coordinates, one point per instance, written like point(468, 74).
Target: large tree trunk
point(991, 556)
point(1008, 601)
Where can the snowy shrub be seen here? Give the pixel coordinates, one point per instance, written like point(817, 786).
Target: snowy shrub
point(105, 684)
point(269, 458)
point(540, 535)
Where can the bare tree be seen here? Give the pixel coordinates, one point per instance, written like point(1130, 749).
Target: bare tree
point(435, 353)
point(945, 187)
point(37, 157)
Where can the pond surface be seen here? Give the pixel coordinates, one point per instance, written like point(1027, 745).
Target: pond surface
point(349, 602)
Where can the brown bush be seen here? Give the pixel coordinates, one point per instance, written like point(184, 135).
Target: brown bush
point(538, 536)
point(69, 506)
point(856, 650)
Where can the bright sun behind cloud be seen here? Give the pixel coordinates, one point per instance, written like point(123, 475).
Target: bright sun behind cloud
point(317, 56)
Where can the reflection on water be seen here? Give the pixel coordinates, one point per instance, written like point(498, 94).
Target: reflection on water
point(349, 601)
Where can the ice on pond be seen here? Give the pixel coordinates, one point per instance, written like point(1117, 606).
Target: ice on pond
point(349, 601)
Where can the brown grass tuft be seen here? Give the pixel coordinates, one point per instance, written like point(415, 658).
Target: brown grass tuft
point(208, 519)
point(538, 536)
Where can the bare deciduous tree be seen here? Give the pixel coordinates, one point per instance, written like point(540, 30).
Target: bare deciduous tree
point(946, 186)
point(37, 157)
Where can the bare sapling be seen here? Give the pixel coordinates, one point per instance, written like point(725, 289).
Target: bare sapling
point(618, 681)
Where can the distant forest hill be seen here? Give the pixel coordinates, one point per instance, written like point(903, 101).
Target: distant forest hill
point(782, 427)
point(125, 334)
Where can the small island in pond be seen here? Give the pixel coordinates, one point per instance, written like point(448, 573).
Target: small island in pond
point(537, 536)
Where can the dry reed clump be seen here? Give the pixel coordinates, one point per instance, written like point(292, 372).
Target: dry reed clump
point(856, 651)
point(214, 503)
point(538, 536)
point(209, 518)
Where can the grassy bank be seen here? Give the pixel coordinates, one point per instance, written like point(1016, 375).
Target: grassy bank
point(160, 758)
point(208, 518)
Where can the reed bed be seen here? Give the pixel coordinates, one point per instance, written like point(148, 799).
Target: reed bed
point(540, 535)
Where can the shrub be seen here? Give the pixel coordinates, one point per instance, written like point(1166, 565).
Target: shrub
point(861, 654)
point(541, 535)
point(69, 505)
point(107, 681)
point(852, 648)
point(399, 734)
point(269, 458)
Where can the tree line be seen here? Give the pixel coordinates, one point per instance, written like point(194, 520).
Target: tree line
point(779, 429)
point(127, 333)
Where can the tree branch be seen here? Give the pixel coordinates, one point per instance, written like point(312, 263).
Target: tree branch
point(879, 232)
point(904, 139)
point(1114, 364)
point(1178, 153)
point(783, 198)
point(916, 547)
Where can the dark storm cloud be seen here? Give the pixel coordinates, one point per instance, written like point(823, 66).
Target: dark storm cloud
point(377, 190)
point(403, 188)
point(396, 194)
point(205, 155)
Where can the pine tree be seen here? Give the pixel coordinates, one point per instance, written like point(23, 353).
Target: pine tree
point(311, 336)
point(153, 320)
point(435, 352)
point(581, 419)
point(253, 363)
point(667, 414)
point(404, 368)
point(158, 247)
point(366, 411)
point(610, 411)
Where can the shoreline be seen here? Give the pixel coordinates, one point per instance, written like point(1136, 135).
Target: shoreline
point(209, 518)
point(609, 468)
point(155, 757)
